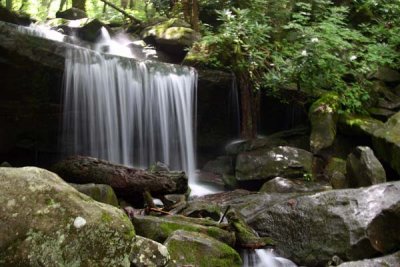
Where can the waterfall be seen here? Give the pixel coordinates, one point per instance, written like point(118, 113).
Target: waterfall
point(264, 258)
point(129, 112)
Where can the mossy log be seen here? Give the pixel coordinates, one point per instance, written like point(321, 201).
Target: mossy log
point(127, 182)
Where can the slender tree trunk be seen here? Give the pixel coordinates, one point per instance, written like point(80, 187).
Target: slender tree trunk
point(195, 15)
point(81, 4)
point(249, 101)
point(131, 4)
point(62, 3)
point(9, 4)
point(23, 3)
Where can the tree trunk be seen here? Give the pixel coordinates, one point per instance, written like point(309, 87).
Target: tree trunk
point(127, 182)
point(195, 15)
point(62, 3)
point(81, 4)
point(249, 101)
point(9, 4)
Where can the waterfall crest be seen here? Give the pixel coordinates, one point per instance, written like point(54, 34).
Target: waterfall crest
point(129, 112)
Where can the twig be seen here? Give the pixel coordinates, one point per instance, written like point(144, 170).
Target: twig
point(223, 216)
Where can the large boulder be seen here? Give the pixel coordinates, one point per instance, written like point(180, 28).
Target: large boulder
point(323, 117)
point(159, 228)
point(388, 260)
point(363, 168)
point(265, 164)
point(46, 222)
point(172, 36)
point(386, 142)
point(147, 252)
point(196, 249)
point(352, 223)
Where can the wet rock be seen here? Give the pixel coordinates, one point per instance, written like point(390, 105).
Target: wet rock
point(46, 222)
point(240, 146)
point(388, 260)
point(311, 229)
point(363, 168)
point(91, 31)
point(71, 14)
point(283, 185)
point(11, 17)
point(203, 210)
point(358, 125)
point(265, 164)
point(336, 172)
point(196, 249)
point(387, 75)
point(323, 117)
point(99, 192)
point(386, 142)
point(221, 165)
point(159, 228)
point(147, 252)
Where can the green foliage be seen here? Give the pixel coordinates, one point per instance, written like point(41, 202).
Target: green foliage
point(239, 42)
point(308, 45)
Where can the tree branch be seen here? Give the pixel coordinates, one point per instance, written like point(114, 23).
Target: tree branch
point(122, 11)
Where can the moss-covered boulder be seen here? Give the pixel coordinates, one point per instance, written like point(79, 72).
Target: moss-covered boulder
point(196, 249)
point(172, 36)
point(99, 192)
point(148, 253)
point(323, 117)
point(46, 222)
point(159, 228)
point(265, 164)
point(283, 185)
point(335, 170)
point(363, 168)
point(386, 142)
point(358, 125)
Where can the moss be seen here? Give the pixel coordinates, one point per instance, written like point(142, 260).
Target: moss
point(201, 251)
point(106, 218)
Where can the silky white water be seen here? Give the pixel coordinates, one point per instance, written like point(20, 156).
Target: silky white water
point(264, 258)
point(129, 112)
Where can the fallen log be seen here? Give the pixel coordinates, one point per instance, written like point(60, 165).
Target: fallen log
point(128, 183)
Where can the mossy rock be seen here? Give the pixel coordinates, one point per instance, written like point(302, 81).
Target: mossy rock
point(159, 228)
point(46, 222)
point(99, 192)
point(323, 117)
point(335, 170)
point(196, 249)
point(359, 125)
point(148, 253)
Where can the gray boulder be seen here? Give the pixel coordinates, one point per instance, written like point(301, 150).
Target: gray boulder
point(46, 222)
point(386, 142)
point(265, 164)
point(387, 75)
point(283, 185)
point(196, 249)
point(363, 168)
point(353, 224)
point(149, 253)
point(388, 260)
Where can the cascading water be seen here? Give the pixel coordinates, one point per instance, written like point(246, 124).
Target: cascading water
point(129, 112)
point(264, 258)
